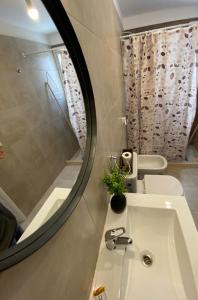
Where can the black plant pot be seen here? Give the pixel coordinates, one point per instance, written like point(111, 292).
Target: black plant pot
point(118, 203)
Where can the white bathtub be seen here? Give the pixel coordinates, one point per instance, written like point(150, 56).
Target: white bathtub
point(51, 205)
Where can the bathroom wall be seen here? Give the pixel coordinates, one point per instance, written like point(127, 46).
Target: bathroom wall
point(160, 16)
point(64, 267)
point(35, 135)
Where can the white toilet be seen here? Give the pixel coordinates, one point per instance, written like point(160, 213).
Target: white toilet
point(152, 184)
point(161, 185)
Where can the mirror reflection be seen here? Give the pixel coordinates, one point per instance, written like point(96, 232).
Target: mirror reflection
point(42, 120)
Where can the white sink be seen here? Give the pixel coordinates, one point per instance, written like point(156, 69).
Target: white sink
point(157, 232)
point(162, 227)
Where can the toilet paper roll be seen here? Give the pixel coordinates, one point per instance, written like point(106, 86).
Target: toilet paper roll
point(126, 156)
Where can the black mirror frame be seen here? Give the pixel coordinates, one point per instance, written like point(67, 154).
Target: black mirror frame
point(24, 249)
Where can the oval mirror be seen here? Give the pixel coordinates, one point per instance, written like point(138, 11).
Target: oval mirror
point(47, 124)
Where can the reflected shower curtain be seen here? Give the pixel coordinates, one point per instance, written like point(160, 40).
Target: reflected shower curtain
point(74, 97)
point(160, 76)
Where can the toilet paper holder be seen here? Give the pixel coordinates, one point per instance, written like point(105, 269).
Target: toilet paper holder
point(126, 160)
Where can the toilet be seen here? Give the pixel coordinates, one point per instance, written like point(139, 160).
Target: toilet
point(152, 184)
point(162, 185)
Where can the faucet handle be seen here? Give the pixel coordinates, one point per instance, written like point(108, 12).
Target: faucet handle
point(114, 233)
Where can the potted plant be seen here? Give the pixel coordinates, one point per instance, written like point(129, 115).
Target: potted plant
point(115, 182)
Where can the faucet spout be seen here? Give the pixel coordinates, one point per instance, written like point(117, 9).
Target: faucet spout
point(123, 240)
point(113, 238)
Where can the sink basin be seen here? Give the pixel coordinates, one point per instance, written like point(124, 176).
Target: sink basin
point(162, 262)
point(157, 234)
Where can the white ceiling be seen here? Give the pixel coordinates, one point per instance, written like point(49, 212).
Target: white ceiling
point(136, 7)
point(14, 12)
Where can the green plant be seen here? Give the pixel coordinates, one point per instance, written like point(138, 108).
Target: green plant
point(115, 181)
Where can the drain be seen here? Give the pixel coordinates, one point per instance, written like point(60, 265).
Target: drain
point(147, 260)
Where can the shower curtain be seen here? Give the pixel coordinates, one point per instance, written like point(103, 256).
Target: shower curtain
point(160, 77)
point(74, 97)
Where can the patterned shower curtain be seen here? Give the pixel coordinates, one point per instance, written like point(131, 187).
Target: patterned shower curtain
point(74, 97)
point(160, 77)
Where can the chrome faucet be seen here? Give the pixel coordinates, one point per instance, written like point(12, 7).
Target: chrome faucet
point(113, 237)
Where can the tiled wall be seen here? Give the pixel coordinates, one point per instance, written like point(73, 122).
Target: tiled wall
point(35, 135)
point(64, 267)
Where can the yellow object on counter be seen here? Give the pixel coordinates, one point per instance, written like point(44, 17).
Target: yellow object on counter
point(100, 294)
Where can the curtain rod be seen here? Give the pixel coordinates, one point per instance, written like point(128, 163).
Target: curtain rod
point(58, 45)
point(55, 48)
point(159, 29)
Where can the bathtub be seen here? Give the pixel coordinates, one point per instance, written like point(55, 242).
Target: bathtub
point(51, 205)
